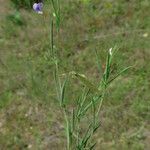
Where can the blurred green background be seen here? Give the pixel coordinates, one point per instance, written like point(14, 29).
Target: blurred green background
point(29, 113)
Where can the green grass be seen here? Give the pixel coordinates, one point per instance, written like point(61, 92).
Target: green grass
point(30, 117)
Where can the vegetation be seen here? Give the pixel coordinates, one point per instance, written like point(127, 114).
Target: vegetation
point(22, 4)
point(31, 117)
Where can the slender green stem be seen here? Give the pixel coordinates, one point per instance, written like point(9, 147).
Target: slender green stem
point(100, 104)
point(67, 129)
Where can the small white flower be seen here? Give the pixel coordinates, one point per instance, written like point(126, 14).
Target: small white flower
point(40, 12)
point(110, 51)
point(145, 35)
point(54, 15)
point(29, 146)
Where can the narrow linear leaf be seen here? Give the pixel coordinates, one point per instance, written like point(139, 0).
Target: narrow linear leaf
point(86, 136)
point(73, 120)
point(92, 146)
point(89, 105)
point(107, 70)
point(96, 127)
point(119, 74)
point(63, 91)
point(81, 105)
point(85, 81)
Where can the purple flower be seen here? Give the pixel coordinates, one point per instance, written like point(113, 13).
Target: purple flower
point(37, 7)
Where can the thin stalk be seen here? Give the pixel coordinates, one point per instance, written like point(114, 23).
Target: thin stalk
point(67, 129)
point(52, 38)
point(100, 104)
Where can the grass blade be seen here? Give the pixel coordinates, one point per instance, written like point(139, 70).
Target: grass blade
point(119, 74)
